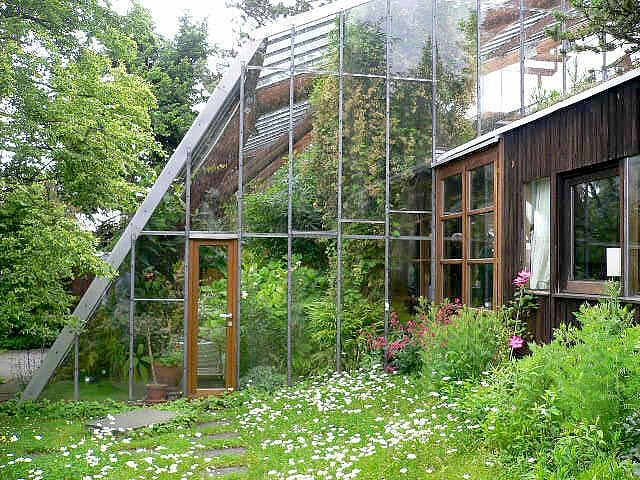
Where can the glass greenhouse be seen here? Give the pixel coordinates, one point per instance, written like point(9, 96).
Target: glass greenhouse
point(297, 210)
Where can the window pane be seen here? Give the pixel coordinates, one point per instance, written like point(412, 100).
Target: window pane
point(634, 225)
point(481, 285)
point(537, 232)
point(452, 191)
point(483, 236)
point(482, 187)
point(452, 282)
point(452, 238)
point(596, 214)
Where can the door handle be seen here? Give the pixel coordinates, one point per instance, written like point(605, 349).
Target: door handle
point(226, 315)
point(229, 323)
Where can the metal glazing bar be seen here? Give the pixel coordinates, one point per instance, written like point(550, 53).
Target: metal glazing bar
point(605, 70)
point(478, 73)
point(290, 217)
point(387, 173)
point(362, 220)
point(132, 312)
point(187, 268)
point(411, 212)
point(240, 199)
point(167, 300)
point(322, 71)
point(303, 234)
point(161, 233)
point(410, 237)
point(208, 234)
point(264, 235)
point(76, 367)
point(434, 126)
point(565, 45)
point(626, 250)
point(362, 237)
point(339, 237)
point(521, 25)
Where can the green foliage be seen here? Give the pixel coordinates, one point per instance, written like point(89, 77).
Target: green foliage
point(265, 378)
point(474, 341)
point(46, 410)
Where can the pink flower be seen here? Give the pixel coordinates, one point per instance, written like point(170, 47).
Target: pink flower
point(516, 342)
point(522, 278)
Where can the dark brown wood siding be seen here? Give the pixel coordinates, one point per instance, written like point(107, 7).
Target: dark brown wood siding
point(600, 129)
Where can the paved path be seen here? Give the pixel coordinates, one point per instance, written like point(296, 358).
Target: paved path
point(223, 432)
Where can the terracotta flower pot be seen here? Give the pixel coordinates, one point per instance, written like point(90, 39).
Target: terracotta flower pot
point(156, 392)
point(169, 375)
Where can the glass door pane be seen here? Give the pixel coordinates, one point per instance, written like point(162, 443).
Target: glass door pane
point(214, 317)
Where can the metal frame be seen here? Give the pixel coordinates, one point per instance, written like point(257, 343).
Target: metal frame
point(217, 115)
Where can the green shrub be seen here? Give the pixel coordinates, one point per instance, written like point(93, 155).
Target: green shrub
point(471, 342)
point(264, 378)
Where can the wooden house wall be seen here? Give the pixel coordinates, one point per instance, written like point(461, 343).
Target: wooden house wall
point(602, 128)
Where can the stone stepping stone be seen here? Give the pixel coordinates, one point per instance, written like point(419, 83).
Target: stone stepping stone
point(216, 452)
point(219, 472)
point(223, 436)
point(143, 417)
point(214, 424)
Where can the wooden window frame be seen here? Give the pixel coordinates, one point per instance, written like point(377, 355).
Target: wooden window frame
point(566, 216)
point(465, 169)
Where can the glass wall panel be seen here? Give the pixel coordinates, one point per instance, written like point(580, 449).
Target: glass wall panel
point(633, 229)
point(263, 308)
point(411, 141)
point(481, 187)
point(170, 213)
point(315, 171)
point(158, 347)
point(410, 275)
point(364, 148)
point(215, 179)
point(266, 153)
point(60, 385)
point(317, 45)
point(313, 313)
point(410, 224)
point(543, 78)
point(481, 284)
point(159, 266)
point(452, 281)
point(365, 43)
point(537, 231)
point(452, 238)
point(410, 38)
point(358, 228)
point(500, 63)
point(584, 68)
point(104, 345)
point(620, 58)
point(456, 73)
point(362, 294)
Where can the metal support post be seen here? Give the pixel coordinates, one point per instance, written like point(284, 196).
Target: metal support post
point(187, 273)
point(76, 367)
point(522, 64)
point(387, 176)
point(565, 45)
point(339, 225)
point(478, 73)
point(239, 199)
point(132, 313)
point(434, 129)
point(290, 214)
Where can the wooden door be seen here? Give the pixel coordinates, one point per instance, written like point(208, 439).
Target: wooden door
point(213, 319)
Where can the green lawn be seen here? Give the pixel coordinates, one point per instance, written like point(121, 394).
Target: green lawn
point(364, 425)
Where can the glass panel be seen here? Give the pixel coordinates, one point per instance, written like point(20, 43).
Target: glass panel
point(362, 293)
point(364, 147)
point(452, 229)
point(170, 213)
point(213, 316)
point(452, 193)
point(452, 282)
point(596, 226)
point(410, 38)
point(483, 236)
point(482, 187)
point(365, 42)
point(60, 385)
point(634, 225)
point(481, 284)
point(500, 63)
point(314, 306)
point(266, 153)
point(104, 345)
point(349, 228)
point(315, 177)
point(456, 74)
point(411, 139)
point(316, 45)
point(263, 309)
point(410, 275)
point(409, 224)
point(215, 176)
point(158, 349)
point(537, 232)
point(159, 266)
point(542, 55)
point(622, 58)
point(584, 68)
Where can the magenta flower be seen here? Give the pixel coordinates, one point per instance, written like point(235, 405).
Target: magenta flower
point(516, 342)
point(522, 278)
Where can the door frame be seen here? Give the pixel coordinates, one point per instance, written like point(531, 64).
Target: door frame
point(192, 322)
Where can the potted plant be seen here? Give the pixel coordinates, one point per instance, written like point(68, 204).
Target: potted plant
point(156, 392)
point(168, 367)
